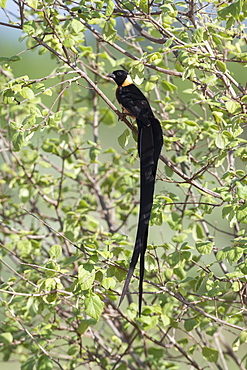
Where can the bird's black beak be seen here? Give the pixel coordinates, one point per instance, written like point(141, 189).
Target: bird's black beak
point(111, 75)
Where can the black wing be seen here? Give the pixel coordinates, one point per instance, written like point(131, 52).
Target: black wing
point(133, 100)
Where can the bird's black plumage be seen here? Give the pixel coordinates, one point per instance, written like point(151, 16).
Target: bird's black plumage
point(150, 141)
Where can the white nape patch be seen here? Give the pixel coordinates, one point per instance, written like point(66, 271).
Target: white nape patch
point(127, 81)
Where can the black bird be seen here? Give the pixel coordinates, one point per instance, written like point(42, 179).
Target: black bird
point(150, 141)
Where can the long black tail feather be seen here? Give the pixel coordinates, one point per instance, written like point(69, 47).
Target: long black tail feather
point(150, 141)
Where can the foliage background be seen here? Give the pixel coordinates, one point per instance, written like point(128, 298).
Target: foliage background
point(69, 185)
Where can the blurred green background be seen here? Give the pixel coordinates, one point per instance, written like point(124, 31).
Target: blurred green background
point(37, 66)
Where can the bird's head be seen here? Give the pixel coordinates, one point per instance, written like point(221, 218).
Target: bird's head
point(121, 77)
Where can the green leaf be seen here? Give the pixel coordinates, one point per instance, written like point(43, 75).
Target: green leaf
point(192, 349)
point(3, 3)
point(108, 32)
point(5, 59)
point(33, 3)
point(232, 106)
point(94, 306)
point(55, 119)
point(84, 325)
point(8, 96)
point(107, 116)
point(165, 319)
point(86, 276)
point(55, 251)
point(137, 72)
point(236, 286)
point(24, 194)
point(204, 247)
point(222, 254)
point(233, 10)
point(221, 66)
point(210, 80)
point(123, 139)
point(47, 92)
point(211, 330)
point(197, 231)
point(25, 247)
point(29, 121)
point(51, 269)
point(210, 354)
point(244, 99)
point(234, 275)
point(128, 5)
point(236, 344)
point(70, 260)
point(168, 8)
point(29, 27)
point(241, 190)
point(155, 57)
point(243, 337)
point(68, 43)
point(149, 322)
point(227, 10)
point(242, 214)
point(198, 34)
point(44, 363)
point(143, 4)
point(179, 238)
point(220, 140)
point(190, 324)
point(93, 153)
point(234, 254)
point(118, 273)
point(6, 338)
point(149, 85)
point(29, 364)
point(18, 141)
point(109, 8)
point(27, 93)
point(156, 352)
point(179, 271)
point(15, 58)
point(174, 259)
point(168, 86)
point(175, 221)
point(150, 263)
point(72, 350)
point(229, 212)
point(109, 283)
point(76, 26)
